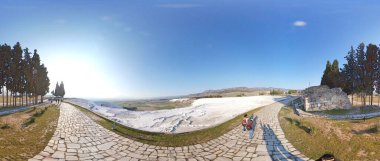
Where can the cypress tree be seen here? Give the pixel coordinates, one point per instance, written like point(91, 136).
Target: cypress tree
point(334, 75)
point(57, 90)
point(62, 89)
point(325, 78)
point(349, 74)
point(2, 71)
point(7, 70)
point(35, 66)
point(370, 69)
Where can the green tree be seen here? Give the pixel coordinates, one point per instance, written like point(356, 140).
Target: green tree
point(43, 81)
point(57, 90)
point(28, 72)
point(349, 74)
point(62, 89)
point(7, 70)
point(334, 75)
point(370, 67)
point(16, 67)
point(360, 70)
point(35, 66)
point(325, 78)
point(2, 70)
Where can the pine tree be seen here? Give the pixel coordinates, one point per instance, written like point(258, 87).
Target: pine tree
point(43, 81)
point(57, 91)
point(349, 74)
point(16, 68)
point(333, 76)
point(7, 70)
point(325, 78)
point(28, 72)
point(35, 65)
point(370, 69)
point(62, 89)
point(360, 70)
point(378, 76)
point(2, 71)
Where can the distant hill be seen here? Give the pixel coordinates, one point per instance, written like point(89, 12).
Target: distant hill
point(236, 92)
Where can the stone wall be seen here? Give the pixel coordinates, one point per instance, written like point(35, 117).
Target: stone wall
point(320, 98)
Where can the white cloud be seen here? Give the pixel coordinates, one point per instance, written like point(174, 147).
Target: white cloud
point(173, 5)
point(299, 23)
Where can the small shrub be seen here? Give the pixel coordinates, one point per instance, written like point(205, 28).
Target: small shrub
point(28, 122)
point(276, 92)
point(39, 112)
point(292, 91)
point(131, 108)
point(241, 95)
point(373, 129)
point(4, 126)
point(30, 110)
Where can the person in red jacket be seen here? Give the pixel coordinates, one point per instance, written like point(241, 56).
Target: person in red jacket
point(244, 122)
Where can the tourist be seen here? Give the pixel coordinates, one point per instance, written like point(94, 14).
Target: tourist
point(244, 122)
point(249, 126)
point(327, 157)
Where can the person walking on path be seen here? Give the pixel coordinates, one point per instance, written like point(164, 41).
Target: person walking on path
point(249, 126)
point(244, 122)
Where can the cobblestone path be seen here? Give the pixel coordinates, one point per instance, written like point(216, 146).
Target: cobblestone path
point(77, 137)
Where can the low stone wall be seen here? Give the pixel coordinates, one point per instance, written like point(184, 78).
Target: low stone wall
point(338, 117)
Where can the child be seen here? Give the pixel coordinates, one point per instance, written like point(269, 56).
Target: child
point(244, 122)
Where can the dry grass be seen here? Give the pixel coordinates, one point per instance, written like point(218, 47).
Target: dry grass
point(358, 101)
point(347, 140)
point(20, 143)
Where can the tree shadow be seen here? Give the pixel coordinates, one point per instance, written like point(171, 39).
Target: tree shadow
point(274, 146)
point(299, 125)
point(371, 130)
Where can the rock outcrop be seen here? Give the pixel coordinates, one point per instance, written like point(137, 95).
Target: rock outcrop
point(320, 98)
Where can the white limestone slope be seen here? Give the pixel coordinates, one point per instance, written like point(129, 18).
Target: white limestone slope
point(203, 113)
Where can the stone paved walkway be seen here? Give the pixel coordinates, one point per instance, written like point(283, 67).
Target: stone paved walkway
point(77, 137)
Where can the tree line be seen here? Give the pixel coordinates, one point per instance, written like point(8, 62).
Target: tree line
point(360, 75)
point(59, 90)
point(23, 78)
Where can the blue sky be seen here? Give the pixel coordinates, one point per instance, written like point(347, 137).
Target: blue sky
point(138, 49)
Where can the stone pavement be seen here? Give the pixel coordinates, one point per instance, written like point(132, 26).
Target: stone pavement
point(77, 137)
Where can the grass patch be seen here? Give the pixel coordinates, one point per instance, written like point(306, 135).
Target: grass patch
point(32, 119)
point(337, 112)
point(17, 143)
point(162, 139)
point(346, 139)
point(296, 122)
